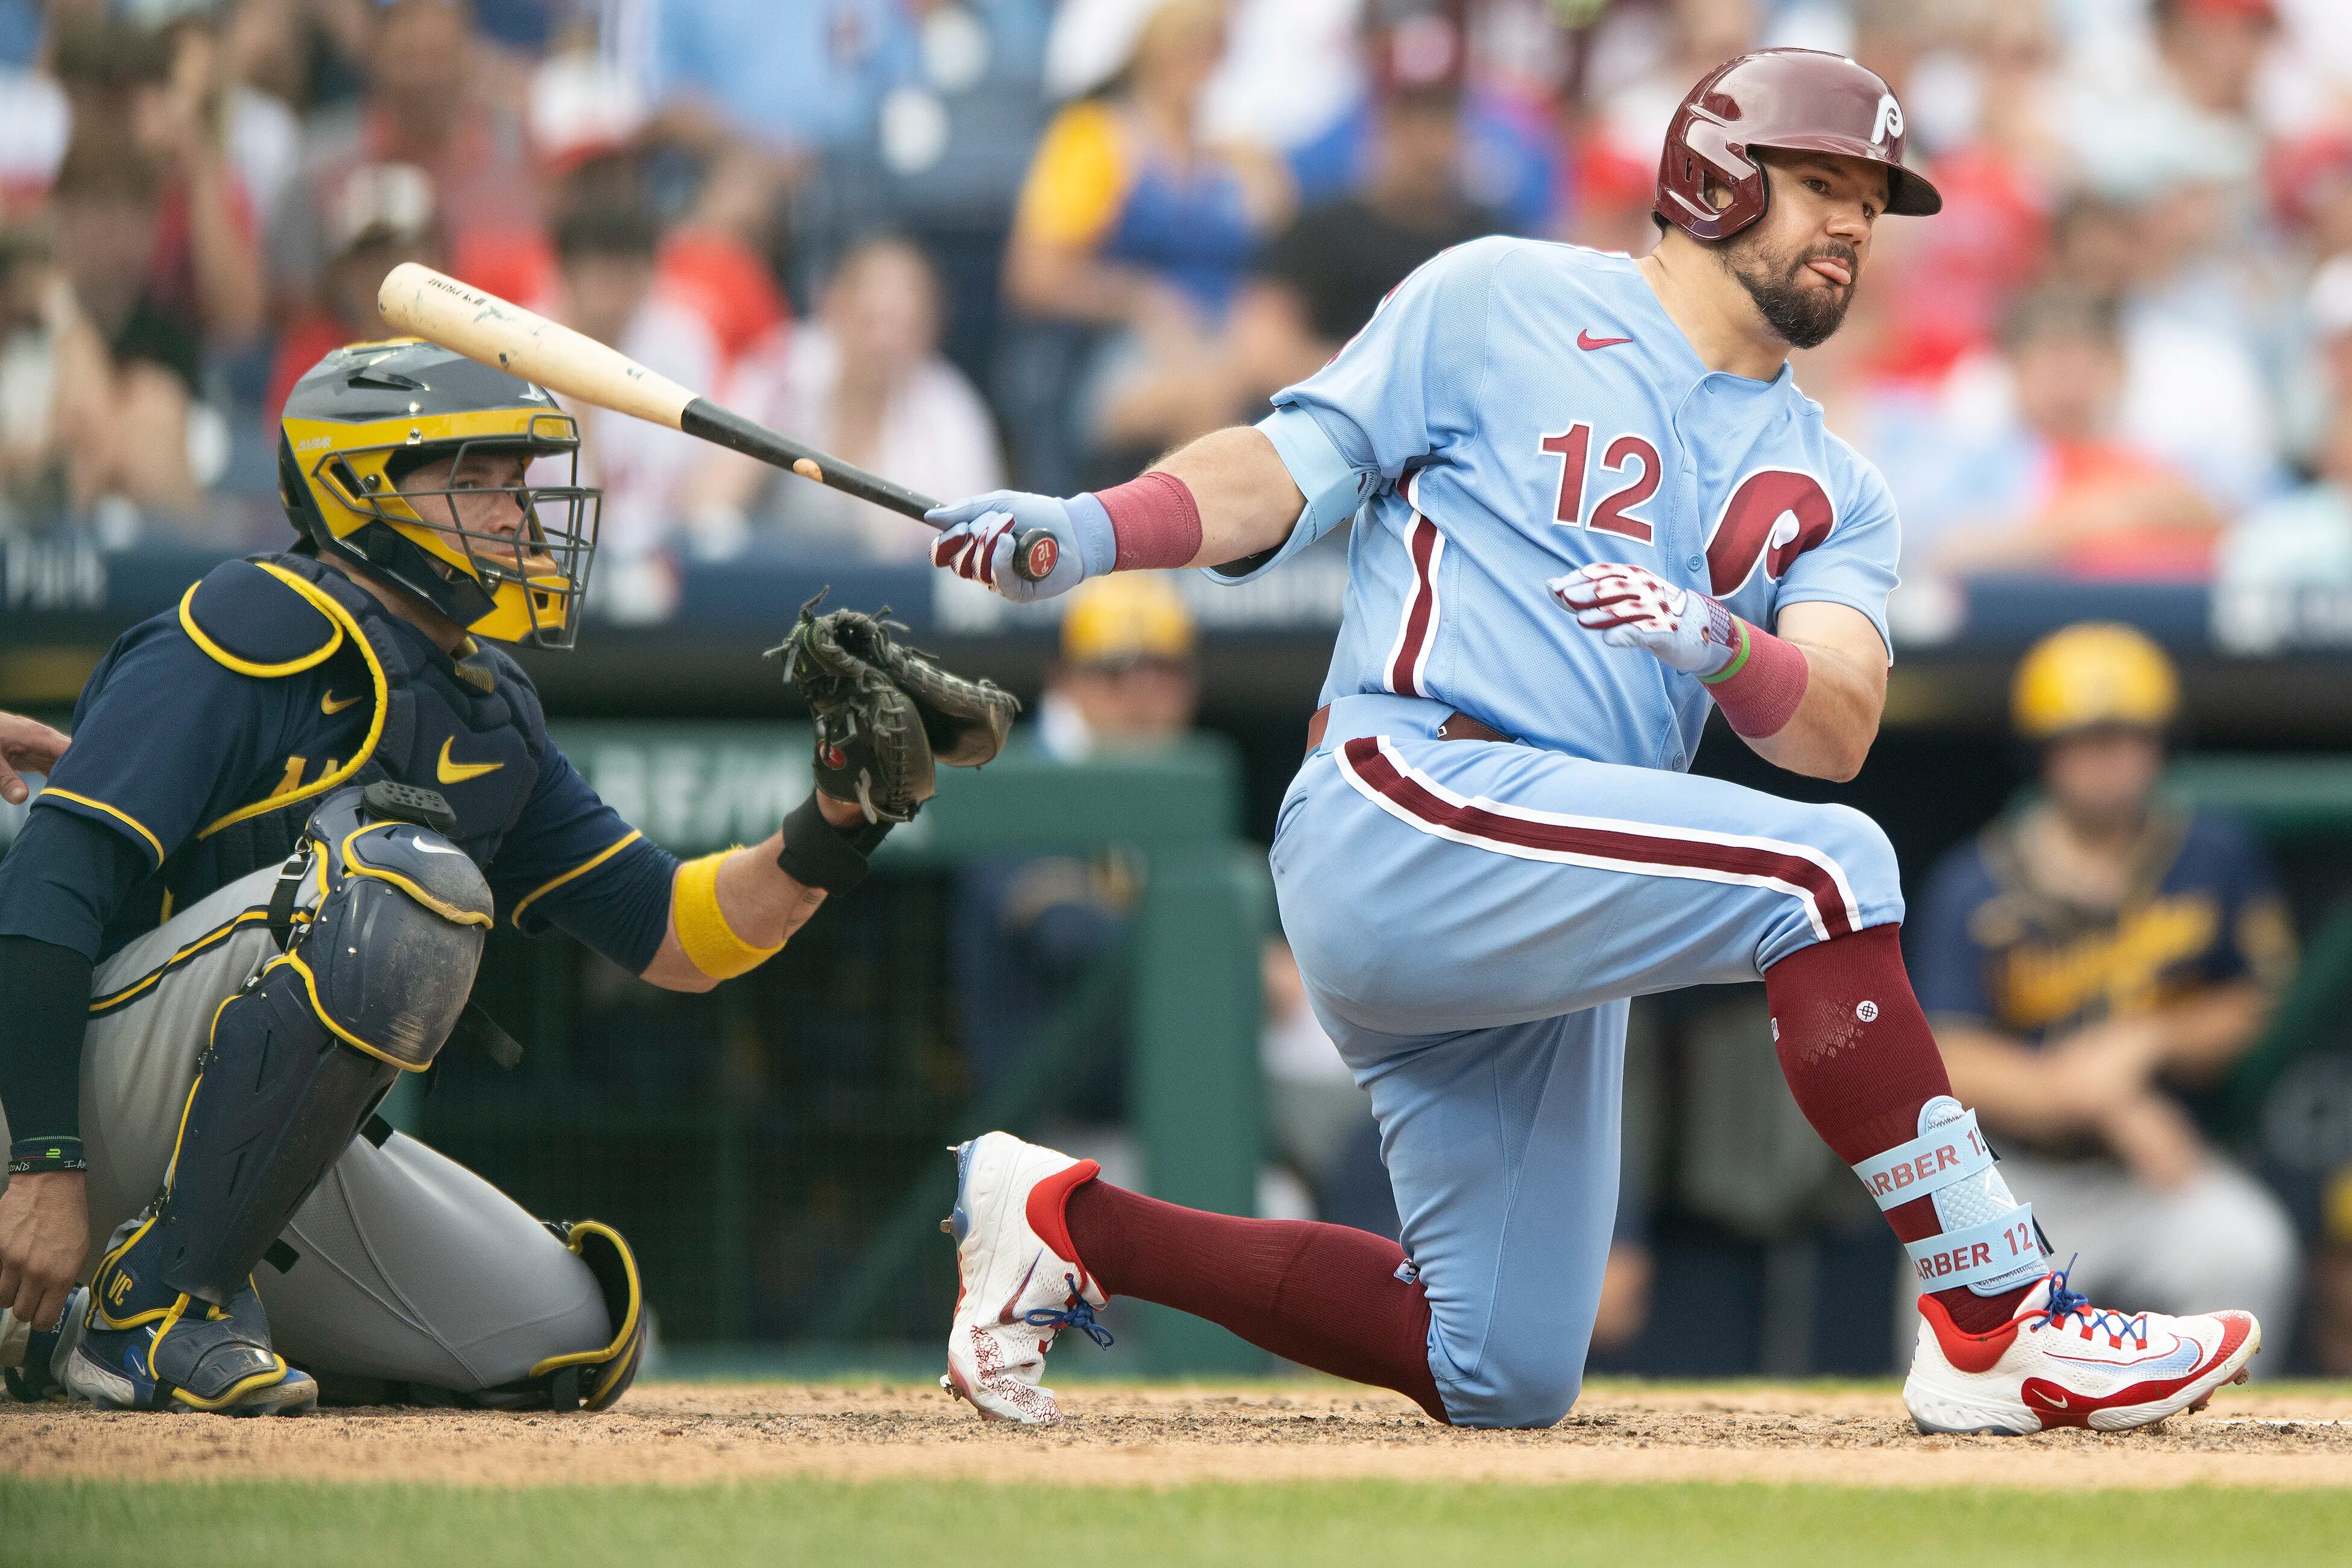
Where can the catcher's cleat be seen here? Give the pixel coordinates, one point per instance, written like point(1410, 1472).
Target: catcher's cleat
point(145, 1346)
point(1019, 1282)
point(2062, 1362)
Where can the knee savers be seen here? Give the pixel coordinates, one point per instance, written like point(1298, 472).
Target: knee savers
point(591, 1379)
point(386, 919)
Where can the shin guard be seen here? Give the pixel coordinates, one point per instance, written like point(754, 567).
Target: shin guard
point(370, 987)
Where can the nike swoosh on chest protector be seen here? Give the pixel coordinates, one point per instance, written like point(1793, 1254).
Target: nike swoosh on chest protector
point(449, 772)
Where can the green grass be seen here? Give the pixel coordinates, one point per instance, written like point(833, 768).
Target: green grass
point(1357, 1524)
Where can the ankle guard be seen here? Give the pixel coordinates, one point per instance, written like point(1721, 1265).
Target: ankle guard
point(1989, 1241)
point(382, 960)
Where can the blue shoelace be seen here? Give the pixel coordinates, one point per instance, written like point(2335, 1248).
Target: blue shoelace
point(1076, 1315)
point(2066, 1303)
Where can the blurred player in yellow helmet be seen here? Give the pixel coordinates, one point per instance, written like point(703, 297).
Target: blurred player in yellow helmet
point(1126, 678)
point(2094, 962)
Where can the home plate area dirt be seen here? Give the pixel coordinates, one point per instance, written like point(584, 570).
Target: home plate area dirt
point(690, 1434)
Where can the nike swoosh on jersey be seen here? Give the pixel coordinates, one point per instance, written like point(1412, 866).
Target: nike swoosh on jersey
point(1585, 340)
point(448, 772)
point(328, 704)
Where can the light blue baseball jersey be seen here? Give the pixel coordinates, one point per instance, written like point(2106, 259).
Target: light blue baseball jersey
point(1518, 409)
point(1469, 917)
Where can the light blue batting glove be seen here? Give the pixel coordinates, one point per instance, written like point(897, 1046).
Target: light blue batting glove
point(1025, 546)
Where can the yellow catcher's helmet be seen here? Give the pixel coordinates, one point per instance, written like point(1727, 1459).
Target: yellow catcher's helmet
point(1124, 619)
point(369, 415)
point(2094, 674)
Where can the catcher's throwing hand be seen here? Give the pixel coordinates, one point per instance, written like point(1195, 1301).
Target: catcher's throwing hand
point(982, 532)
point(26, 744)
point(1631, 607)
point(886, 715)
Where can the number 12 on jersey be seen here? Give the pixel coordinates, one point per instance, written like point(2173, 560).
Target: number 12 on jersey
point(1628, 455)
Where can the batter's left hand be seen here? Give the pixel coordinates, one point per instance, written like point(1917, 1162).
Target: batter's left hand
point(26, 744)
point(1631, 607)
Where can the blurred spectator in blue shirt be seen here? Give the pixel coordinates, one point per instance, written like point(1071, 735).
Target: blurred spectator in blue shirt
point(799, 78)
point(2094, 964)
point(943, 167)
point(1320, 280)
point(1507, 158)
point(1130, 223)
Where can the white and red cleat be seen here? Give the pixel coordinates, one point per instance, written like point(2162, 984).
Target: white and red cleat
point(2062, 1362)
point(1019, 1280)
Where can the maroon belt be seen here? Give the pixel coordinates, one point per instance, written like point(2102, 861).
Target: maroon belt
point(1456, 727)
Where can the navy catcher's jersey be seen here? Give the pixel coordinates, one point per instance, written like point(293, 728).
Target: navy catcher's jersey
point(207, 732)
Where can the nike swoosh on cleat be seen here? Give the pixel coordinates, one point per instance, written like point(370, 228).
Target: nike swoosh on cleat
point(1585, 340)
point(2184, 1355)
point(1004, 1313)
point(2055, 1401)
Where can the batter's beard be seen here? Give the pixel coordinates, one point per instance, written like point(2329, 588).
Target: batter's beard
point(1799, 314)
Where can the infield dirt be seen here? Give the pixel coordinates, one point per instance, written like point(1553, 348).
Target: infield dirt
point(1128, 1436)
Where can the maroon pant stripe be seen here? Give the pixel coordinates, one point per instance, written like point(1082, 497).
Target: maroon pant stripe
point(1374, 766)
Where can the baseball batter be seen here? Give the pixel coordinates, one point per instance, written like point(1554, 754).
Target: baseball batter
point(1589, 504)
point(256, 888)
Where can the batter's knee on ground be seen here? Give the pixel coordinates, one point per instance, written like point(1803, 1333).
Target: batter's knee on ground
point(1527, 1389)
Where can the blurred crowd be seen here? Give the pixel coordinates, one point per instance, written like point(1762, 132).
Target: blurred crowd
point(968, 242)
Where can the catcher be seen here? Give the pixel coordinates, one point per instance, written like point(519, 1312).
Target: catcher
point(256, 890)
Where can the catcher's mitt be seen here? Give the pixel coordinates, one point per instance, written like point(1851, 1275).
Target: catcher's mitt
point(966, 719)
point(886, 714)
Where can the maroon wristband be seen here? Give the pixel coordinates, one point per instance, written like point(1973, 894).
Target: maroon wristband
point(1760, 692)
point(1155, 520)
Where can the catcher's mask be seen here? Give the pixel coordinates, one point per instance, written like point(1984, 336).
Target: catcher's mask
point(485, 540)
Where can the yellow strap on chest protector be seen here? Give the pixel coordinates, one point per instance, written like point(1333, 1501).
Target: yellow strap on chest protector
point(702, 929)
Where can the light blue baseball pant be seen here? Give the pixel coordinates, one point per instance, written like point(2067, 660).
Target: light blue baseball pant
point(1471, 918)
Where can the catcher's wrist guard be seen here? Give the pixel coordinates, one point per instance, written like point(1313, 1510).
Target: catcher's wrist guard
point(816, 854)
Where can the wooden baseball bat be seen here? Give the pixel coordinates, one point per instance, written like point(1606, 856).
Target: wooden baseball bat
point(416, 298)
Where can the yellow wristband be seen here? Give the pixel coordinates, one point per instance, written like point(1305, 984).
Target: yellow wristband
point(711, 943)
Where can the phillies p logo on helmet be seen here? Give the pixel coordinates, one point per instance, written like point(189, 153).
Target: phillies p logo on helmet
point(1889, 121)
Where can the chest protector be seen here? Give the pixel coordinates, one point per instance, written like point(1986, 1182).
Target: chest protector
point(470, 729)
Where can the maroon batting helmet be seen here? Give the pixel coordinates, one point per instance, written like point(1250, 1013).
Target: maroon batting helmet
point(1803, 100)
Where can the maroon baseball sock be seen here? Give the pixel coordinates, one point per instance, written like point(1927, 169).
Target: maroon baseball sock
point(1860, 1061)
point(1325, 1296)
